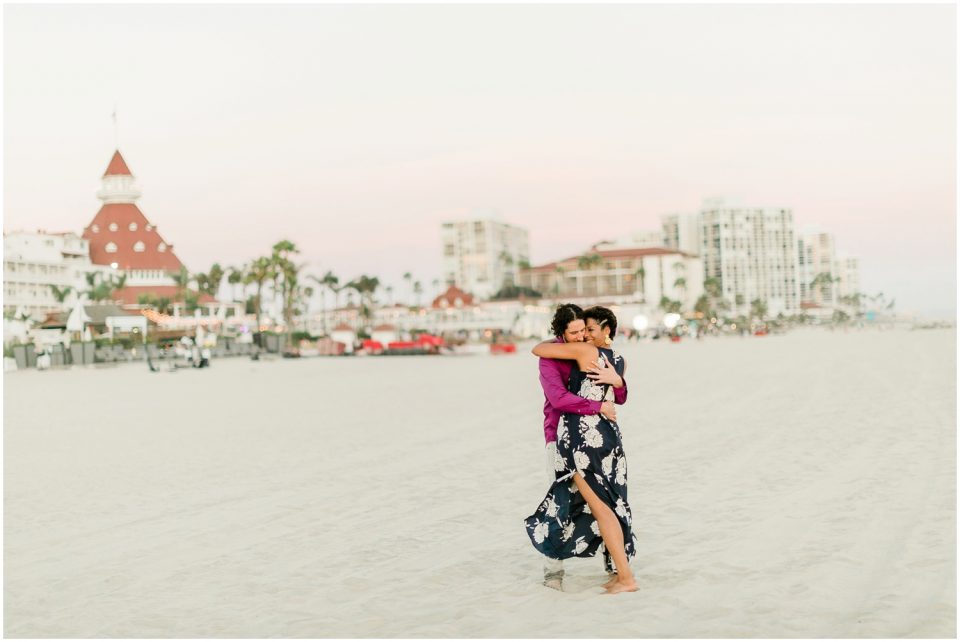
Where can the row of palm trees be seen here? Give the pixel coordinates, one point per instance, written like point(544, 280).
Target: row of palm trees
point(99, 288)
point(278, 278)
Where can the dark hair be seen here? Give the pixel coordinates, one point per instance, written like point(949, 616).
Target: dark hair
point(566, 312)
point(604, 317)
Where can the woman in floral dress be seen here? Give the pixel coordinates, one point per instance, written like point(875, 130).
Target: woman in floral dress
point(586, 508)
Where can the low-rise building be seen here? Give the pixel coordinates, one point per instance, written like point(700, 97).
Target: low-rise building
point(645, 275)
point(44, 272)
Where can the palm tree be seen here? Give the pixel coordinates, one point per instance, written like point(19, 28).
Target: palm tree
point(328, 281)
point(681, 284)
point(641, 276)
point(258, 273)
point(702, 306)
point(290, 293)
point(182, 281)
point(365, 286)
point(589, 261)
point(417, 291)
point(101, 289)
point(506, 262)
point(668, 305)
point(712, 286)
point(209, 282)
point(214, 278)
point(284, 274)
point(235, 277)
point(409, 279)
point(389, 290)
point(61, 294)
point(820, 282)
point(307, 293)
point(758, 308)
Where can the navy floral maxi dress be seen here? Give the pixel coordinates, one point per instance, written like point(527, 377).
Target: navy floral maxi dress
point(563, 527)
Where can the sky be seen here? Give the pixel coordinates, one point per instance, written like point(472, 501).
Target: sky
point(356, 130)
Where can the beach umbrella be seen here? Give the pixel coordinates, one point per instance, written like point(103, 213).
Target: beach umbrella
point(78, 319)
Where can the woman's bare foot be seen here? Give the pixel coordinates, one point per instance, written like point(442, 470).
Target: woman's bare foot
point(610, 582)
point(622, 587)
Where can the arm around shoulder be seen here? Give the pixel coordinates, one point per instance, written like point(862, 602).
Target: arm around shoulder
point(552, 350)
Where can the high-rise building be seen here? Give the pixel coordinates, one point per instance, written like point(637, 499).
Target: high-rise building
point(753, 253)
point(481, 256)
point(681, 231)
point(847, 276)
point(815, 262)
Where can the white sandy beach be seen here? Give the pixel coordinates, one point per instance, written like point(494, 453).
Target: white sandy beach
point(784, 486)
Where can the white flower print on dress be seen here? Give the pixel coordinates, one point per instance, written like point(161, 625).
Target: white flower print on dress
point(608, 464)
point(593, 438)
point(581, 545)
point(568, 531)
point(590, 390)
point(540, 532)
point(595, 527)
point(561, 430)
point(581, 461)
point(558, 464)
point(589, 421)
point(621, 508)
point(621, 470)
point(552, 507)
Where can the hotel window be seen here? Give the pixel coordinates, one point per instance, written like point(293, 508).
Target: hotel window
point(162, 247)
point(132, 227)
point(94, 228)
point(148, 227)
point(111, 247)
point(138, 246)
point(112, 227)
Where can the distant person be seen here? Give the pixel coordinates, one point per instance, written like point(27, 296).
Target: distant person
point(591, 514)
point(568, 326)
point(43, 359)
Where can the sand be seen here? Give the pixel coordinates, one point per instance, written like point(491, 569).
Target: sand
point(786, 486)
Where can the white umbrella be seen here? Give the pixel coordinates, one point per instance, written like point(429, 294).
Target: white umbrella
point(77, 319)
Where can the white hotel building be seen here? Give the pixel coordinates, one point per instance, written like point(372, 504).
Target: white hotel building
point(480, 256)
point(753, 251)
point(35, 261)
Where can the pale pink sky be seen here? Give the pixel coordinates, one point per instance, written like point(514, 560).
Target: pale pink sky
point(355, 130)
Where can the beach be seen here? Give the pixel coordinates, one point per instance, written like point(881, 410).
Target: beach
point(798, 485)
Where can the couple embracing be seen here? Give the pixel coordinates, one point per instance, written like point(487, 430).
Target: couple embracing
point(585, 510)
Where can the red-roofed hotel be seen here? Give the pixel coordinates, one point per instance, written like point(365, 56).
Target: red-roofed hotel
point(121, 236)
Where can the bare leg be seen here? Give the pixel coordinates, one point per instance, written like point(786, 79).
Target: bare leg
point(612, 536)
